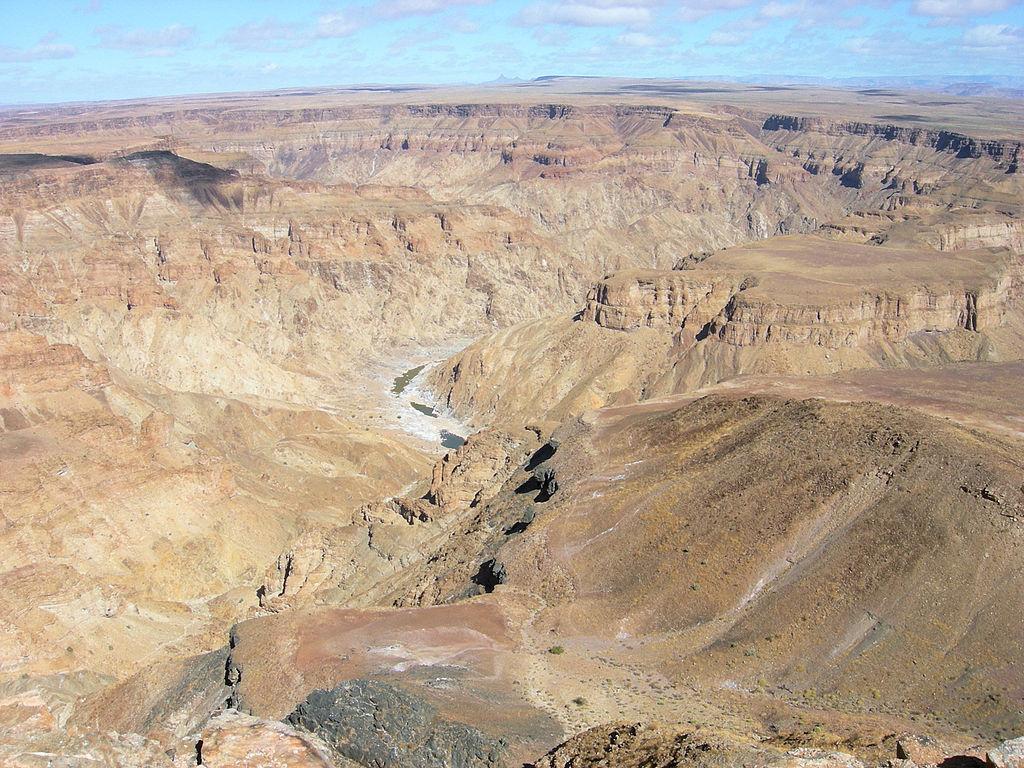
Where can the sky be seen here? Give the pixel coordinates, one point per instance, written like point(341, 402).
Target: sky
point(80, 50)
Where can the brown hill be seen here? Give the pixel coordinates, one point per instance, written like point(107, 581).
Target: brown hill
point(750, 542)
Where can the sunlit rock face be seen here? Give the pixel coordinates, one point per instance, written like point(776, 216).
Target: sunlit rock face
point(239, 336)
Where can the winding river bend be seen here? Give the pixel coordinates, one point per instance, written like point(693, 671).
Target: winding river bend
point(405, 387)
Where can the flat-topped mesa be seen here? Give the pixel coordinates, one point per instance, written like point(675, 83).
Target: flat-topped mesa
point(812, 293)
point(954, 230)
point(1004, 151)
point(630, 300)
point(1005, 233)
point(750, 320)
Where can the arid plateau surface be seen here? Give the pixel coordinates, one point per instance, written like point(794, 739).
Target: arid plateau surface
point(569, 423)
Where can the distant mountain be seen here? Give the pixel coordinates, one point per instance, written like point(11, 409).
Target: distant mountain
point(959, 85)
point(502, 80)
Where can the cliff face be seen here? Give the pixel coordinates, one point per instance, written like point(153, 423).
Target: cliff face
point(897, 167)
point(787, 305)
point(663, 300)
point(883, 318)
point(198, 336)
point(1004, 152)
point(737, 315)
point(970, 233)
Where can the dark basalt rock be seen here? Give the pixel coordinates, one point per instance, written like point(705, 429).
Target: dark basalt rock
point(542, 454)
point(379, 725)
point(490, 574)
point(852, 177)
point(759, 172)
point(546, 481)
point(523, 522)
point(542, 477)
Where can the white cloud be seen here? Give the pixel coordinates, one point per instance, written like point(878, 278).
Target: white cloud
point(808, 14)
point(866, 45)
point(956, 8)
point(46, 49)
point(269, 34)
point(777, 10)
point(588, 13)
point(878, 46)
point(398, 8)
point(726, 37)
point(274, 35)
point(738, 32)
point(994, 36)
point(147, 42)
point(330, 25)
point(641, 40)
point(695, 10)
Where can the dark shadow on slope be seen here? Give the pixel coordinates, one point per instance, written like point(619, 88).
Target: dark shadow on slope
point(204, 182)
point(34, 161)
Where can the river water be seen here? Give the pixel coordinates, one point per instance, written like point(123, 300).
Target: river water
point(418, 413)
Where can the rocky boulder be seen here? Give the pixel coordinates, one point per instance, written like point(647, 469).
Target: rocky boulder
point(921, 750)
point(234, 740)
point(642, 745)
point(808, 757)
point(380, 725)
point(1009, 754)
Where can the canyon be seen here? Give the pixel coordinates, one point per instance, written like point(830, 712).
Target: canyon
point(567, 422)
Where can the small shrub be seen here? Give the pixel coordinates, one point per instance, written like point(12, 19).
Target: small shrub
point(556, 650)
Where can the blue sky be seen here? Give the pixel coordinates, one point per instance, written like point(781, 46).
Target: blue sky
point(108, 49)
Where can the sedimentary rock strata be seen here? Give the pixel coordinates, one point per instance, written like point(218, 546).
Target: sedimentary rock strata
point(736, 371)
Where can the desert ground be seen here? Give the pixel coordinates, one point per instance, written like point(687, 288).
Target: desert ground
point(567, 422)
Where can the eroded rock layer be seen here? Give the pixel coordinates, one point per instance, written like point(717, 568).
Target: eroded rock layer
point(735, 446)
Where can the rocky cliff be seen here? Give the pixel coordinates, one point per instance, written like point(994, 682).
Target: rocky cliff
point(788, 305)
point(204, 303)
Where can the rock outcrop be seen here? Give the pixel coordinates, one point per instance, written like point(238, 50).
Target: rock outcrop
point(631, 745)
point(378, 725)
point(1009, 754)
point(788, 305)
point(234, 740)
point(643, 745)
point(475, 471)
